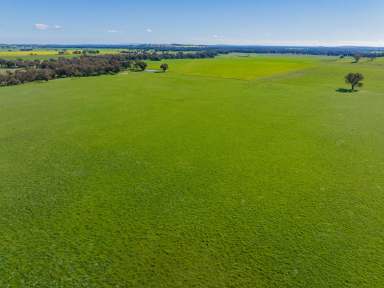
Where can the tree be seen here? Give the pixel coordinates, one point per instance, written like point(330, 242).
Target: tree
point(164, 67)
point(372, 57)
point(354, 79)
point(357, 58)
point(140, 65)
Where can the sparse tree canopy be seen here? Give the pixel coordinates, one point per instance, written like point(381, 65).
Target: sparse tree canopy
point(357, 58)
point(164, 67)
point(140, 65)
point(355, 80)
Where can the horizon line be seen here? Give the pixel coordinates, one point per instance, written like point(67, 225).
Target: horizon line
point(207, 45)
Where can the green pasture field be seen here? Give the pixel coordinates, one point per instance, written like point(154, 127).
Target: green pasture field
point(228, 172)
point(237, 67)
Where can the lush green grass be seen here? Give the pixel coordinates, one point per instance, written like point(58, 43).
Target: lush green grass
point(189, 179)
point(241, 67)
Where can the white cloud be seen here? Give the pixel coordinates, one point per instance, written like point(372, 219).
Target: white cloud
point(112, 31)
point(41, 26)
point(149, 30)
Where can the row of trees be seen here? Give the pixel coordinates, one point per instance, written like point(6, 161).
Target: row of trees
point(158, 56)
point(62, 68)
point(78, 52)
point(222, 49)
point(358, 57)
point(44, 70)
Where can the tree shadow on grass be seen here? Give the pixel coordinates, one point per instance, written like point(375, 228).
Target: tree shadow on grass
point(344, 90)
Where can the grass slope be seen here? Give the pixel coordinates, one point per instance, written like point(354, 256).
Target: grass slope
point(177, 180)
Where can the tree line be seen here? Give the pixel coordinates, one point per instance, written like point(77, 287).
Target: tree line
point(22, 71)
point(221, 49)
point(163, 55)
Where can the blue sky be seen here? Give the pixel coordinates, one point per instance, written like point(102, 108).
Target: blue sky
point(244, 22)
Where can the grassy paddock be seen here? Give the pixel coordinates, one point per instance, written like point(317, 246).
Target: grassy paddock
point(244, 68)
point(225, 172)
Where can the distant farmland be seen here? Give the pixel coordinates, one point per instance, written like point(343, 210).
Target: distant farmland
point(228, 172)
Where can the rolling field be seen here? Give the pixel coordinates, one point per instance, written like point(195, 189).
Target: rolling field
point(227, 172)
point(243, 68)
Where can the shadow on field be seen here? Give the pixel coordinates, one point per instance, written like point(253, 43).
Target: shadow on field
point(343, 90)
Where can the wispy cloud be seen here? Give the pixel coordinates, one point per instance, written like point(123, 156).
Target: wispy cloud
point(40, 26)
point(149, 30)
point(112, 31)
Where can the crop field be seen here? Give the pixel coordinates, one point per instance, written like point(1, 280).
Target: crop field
point(45, 54)
point(228, 172)
point(18, 53)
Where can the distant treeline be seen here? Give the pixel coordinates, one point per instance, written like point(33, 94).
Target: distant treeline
point(22, 71)
point(326, 51)
point(224, 49)
point(163, 55)
point(317, 51)
point(369, 52)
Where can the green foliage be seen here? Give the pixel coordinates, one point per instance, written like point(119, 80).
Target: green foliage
point(259, 176)
point(354, 79)
point(357, 58)
point(164, 67)
point(140, 65)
